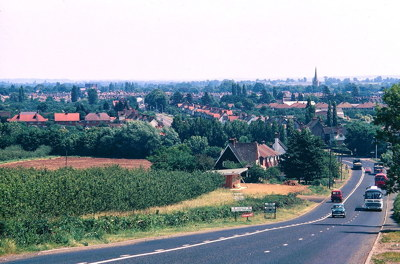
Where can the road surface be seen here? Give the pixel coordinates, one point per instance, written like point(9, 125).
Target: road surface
point(311, 238)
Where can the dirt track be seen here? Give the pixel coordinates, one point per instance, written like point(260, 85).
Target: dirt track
point(79, 163)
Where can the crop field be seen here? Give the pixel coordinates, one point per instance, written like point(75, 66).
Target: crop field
point(79, 163)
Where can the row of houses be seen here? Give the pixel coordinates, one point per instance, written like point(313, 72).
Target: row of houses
point(91, 119)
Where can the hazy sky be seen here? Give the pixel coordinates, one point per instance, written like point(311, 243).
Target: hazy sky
point(196, 40)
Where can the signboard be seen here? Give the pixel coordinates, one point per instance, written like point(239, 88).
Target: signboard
point(242, 209)
point(269, 207)
point(247, 214)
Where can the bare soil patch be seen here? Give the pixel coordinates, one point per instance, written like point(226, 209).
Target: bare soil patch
point(79, 163)
point(264, 189)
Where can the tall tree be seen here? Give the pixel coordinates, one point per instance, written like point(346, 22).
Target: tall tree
point(310, 111)
point(74, 94)
point(21, 94)
point(92, 96)
point(189, 98)
point(305, 158)
point(206, 99)
point(334, 115)
point(388, 118)
point(177, 98)
point(329, 115)
point(156, 99)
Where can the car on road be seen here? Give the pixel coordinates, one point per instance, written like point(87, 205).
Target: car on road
point(336, 196)
point(368, 170)
point(338, 210)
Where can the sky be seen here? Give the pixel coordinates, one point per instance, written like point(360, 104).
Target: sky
point(198, 40)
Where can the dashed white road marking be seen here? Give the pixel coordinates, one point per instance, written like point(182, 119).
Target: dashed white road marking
point(267, 251)
point(327, 228)
point(300, 238)
point(228, 238)
point(285, 245)
point(321, 231)
point(312, 234)
point(124, 255)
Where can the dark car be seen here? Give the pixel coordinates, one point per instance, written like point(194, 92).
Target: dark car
point(338, 210)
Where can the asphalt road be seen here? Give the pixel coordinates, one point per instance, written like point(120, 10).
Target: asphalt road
point(311, 238)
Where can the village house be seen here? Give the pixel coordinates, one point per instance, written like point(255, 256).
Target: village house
point(67, 119)
point(30, 118)
point(248, 155)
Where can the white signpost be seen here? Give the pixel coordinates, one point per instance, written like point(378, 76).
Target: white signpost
point(246, 209)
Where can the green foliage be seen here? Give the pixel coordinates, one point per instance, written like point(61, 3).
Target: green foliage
point(29, 193)
point(66, 229)
point(396, 208)
point(360, 137)
point(156, 99)
point(305, 159)
point(17, 152)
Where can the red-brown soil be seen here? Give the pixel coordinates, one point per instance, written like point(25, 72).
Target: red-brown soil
point(79, 163)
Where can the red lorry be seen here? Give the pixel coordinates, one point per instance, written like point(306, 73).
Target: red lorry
point(336, 196)
point(380, 179)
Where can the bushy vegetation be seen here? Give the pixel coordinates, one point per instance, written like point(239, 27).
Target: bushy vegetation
point(396, 208)
point(66, 229)
point(17, 152)
point(30, 193)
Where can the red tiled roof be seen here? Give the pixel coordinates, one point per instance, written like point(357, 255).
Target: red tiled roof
point(321, 105)
point(282, 106)
point(366, 105)
point(232, 118)
point(298, 105)
point(344, 105)
point(97, 117)
point(64, 117)
point(266, 151)
point(27, 117)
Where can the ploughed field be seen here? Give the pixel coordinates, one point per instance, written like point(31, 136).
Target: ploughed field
point(79, 163)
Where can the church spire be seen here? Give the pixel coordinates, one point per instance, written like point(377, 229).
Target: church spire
point(315, 81)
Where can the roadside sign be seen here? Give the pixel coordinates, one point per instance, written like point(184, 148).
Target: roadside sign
point(247, 214)
point(242, 209)
point(246, 209)
point(270, 208)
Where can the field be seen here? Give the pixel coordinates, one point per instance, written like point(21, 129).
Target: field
point(79, 163)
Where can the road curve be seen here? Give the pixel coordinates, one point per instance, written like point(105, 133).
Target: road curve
point(311, 238)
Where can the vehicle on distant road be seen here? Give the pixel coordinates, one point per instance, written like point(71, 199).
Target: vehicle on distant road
point(338, 210)
point(373, 198)
point(368, 170)
point(336, 196)
point(380, 179)
point(378, 167)
point(357, 164)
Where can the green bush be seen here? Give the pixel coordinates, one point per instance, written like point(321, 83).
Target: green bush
point(396, 209)
point(66, 229)
point(43, 193)
point(17, 152)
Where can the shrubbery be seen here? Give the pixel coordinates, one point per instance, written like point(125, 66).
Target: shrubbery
point(17, 152)
point(30, 193)
point(66, 229)
point(396, 208)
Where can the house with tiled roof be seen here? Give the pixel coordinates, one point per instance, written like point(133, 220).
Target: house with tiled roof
point(94, 119)
point(368, 105)
point(247, 155)
point(30, 118)
point(69, 119)
point(345, 105)
point(327, 134)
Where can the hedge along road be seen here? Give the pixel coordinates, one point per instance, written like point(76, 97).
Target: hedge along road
point(311, 238)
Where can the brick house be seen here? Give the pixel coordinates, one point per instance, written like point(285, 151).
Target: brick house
point(67, 119)
point(30, 118)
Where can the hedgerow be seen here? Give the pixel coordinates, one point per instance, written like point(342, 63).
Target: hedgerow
point(31, 193)
point(66, 229)
point(396, 208)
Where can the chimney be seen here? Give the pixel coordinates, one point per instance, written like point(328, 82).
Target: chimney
point(232, 141)
point(276, 138)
